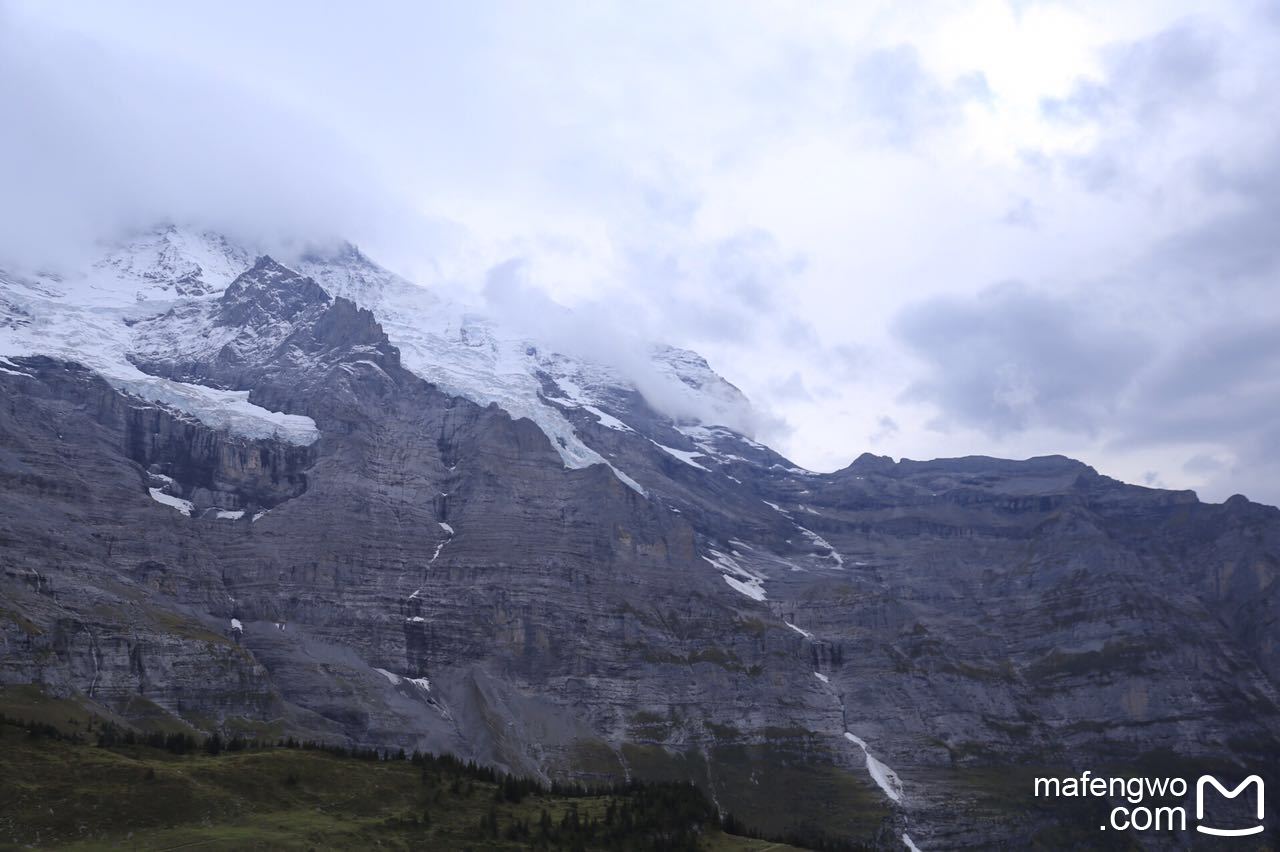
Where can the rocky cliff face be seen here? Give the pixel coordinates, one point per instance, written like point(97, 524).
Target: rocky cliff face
point(598, 590)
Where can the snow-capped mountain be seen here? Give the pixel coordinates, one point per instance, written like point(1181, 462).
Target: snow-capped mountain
point(91, 316)
point(87, 316)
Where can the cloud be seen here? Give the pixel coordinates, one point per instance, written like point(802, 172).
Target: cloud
point(748, 267)
point(1013, 357)
point(1145, 80)
point(891, 88)
point(1204, 463)
point(594, 333)
point(1255, 468)
point(1021, 215)
point(1236, 244)
point(791, 387)
point(886, 427)
point(1012, 360)
point(1221, 388)
point(101, 141)
point(1154, 101)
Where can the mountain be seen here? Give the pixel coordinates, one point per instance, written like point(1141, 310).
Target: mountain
point(311, 498)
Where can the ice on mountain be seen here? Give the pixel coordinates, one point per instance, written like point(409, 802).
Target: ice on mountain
point(739, 578)
point(16, 368)
point(886, 779)
point(682, 455)
point(628, 481)
point(183, 506)
point(805, 633)
point(575, 397)
point(751, 588)
point(229, 410)
point(87, 317)
point(395, 680)
point(822, 542)
point(465, 353)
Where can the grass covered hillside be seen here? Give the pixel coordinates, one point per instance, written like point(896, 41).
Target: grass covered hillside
point(103, 786)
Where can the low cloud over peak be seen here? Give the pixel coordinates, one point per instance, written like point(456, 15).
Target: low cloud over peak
point(818, 199)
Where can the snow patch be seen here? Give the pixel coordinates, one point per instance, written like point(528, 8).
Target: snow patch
point(577, 398)
point(229, 410)
point(820, 676)
point(854, 738)
point(183, 506)
point(751, 588)
point(607, 419)
point(884, 777)
point(822, 542)
point(420, 682)
point(805, 633)
point(236, 625)
point(14, 372)
point(446, 527)
point(681, 455)
point(738, 578)
point(225, 515)
point(906, 840)
point(627, 481)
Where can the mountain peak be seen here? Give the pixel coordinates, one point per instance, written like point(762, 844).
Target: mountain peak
point(266, 292)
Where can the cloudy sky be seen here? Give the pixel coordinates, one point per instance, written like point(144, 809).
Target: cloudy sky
point(919, 229)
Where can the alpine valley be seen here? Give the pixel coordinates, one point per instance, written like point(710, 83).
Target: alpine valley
point(308, 498)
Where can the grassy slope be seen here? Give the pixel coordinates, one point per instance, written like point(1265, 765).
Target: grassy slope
point(77, 796)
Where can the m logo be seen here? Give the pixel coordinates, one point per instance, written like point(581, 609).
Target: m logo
point(1230, 794)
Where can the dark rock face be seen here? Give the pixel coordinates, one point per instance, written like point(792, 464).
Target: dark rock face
point(429, 574)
